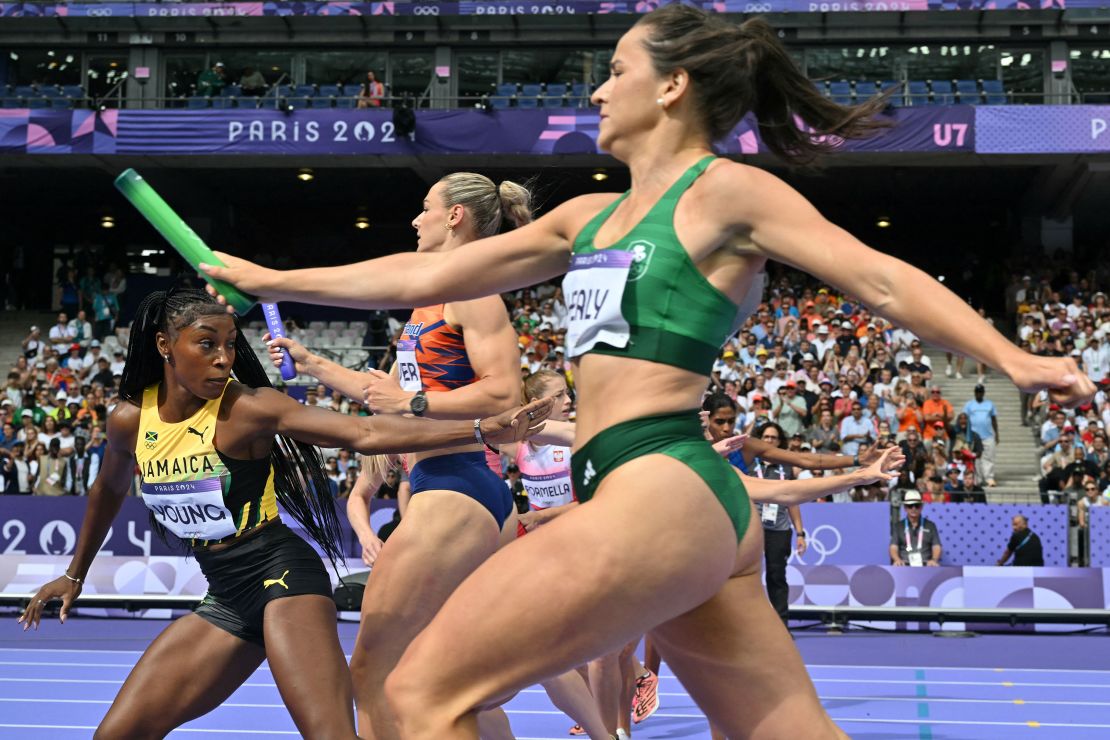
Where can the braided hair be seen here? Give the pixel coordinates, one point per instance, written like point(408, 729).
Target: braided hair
point(300, 483)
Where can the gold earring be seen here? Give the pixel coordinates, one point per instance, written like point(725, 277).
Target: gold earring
point(449, 226)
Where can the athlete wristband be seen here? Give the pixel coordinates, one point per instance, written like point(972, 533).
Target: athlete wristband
point(68, 576)
point(478, 436)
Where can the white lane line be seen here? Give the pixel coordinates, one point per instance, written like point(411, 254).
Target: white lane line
point(179, 729)
point(940, 700)
point(959, 668)
point(70, 664)
point(925, 721)
point(931, 682)
point(116, 682)
point(236, 705)
point(906, 699)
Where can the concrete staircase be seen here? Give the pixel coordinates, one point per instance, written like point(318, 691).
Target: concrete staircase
point(14, 327)
point(1015, 467)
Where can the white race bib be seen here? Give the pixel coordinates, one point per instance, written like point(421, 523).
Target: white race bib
point(770, 513)
point(546, 491)
point(594, 288)
point(408, 371)
point(915, 558)
point(192, 509)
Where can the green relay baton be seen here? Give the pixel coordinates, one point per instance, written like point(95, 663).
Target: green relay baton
point(178, 234)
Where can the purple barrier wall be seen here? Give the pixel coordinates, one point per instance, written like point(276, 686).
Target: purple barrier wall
point(845, 534)
point(976, 534)
point(39, 525)
point(1035, 129)
point(354, 132)
point(500, 7)
point(1100, 537)
point(971, 534)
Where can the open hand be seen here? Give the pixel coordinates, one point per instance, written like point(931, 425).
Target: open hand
point(882, 470)
point(518, 424)
point(60, 588)
point(728, 445)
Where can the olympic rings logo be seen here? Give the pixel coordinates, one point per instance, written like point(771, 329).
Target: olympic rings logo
point(425, 10)
point(822, 545)
point(98, 12)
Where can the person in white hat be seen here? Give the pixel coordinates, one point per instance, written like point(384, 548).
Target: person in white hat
point(914, 540)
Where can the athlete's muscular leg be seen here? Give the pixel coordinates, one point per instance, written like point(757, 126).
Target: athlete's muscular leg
point(308, 665)
point(570, 693)
point(738, 662)
point(442, 538)
point(597, 596)
point(605, 682)
point(188, 671)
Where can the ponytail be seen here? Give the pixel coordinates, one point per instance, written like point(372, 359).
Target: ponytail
point(735, 70)
point(301, 485)
point(487, 204)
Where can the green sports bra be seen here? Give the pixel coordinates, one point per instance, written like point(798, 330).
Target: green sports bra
point(644, 297)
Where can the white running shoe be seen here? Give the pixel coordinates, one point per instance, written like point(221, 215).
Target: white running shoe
point(948, 370)
point(622, 735)
point(959, 376)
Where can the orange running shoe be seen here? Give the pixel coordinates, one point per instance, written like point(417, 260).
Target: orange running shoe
point(577, 730)
point(646, 700)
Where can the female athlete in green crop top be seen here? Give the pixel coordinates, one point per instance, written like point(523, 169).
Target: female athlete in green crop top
point(680, 79)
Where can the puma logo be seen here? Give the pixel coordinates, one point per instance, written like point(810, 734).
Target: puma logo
point(199, 434)
point(271, 581)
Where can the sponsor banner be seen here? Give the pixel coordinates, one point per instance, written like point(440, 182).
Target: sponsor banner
point(970, 534)
point(926, 129)
point(513, 7)
point(1039, 129)
point(40, 525)
point(372, 132)
point(951, 587)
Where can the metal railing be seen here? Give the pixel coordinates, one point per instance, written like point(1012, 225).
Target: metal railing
point(291, 102)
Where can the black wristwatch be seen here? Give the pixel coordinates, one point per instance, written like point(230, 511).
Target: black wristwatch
point(419, 404)
point(802, 533)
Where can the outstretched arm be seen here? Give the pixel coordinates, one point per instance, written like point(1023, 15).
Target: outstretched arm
point(525, 256)
point(784, 226)
point(276, 413)
point(793, 492)
point(343, 379)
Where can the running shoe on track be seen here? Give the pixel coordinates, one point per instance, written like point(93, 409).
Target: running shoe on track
point(646, 699)
point(577, 730)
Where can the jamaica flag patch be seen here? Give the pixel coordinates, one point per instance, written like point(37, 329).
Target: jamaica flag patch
point(151, 440)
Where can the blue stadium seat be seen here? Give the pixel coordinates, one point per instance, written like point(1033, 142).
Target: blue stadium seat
point(335, 91)
point(865, 90)
point(320, 101)
point(943, 93)
point(74, 92)
point(898, 97)
point(197, 101)
point(579, 95)
point(918, 92)
point(822, 88)
point(529, 95)
point(994, 92)
point(969, 91)
point(38, 101)
point(841, 92)
point(302, 96)
point(504, 96)
point(225, 101)
point(346, 101)
point(554, 94)
point(232, 91)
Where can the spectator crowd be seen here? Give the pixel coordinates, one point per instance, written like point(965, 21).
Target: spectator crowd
point(1061, 313)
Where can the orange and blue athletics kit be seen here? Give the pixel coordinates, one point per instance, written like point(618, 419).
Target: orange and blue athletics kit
point(431, 356)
